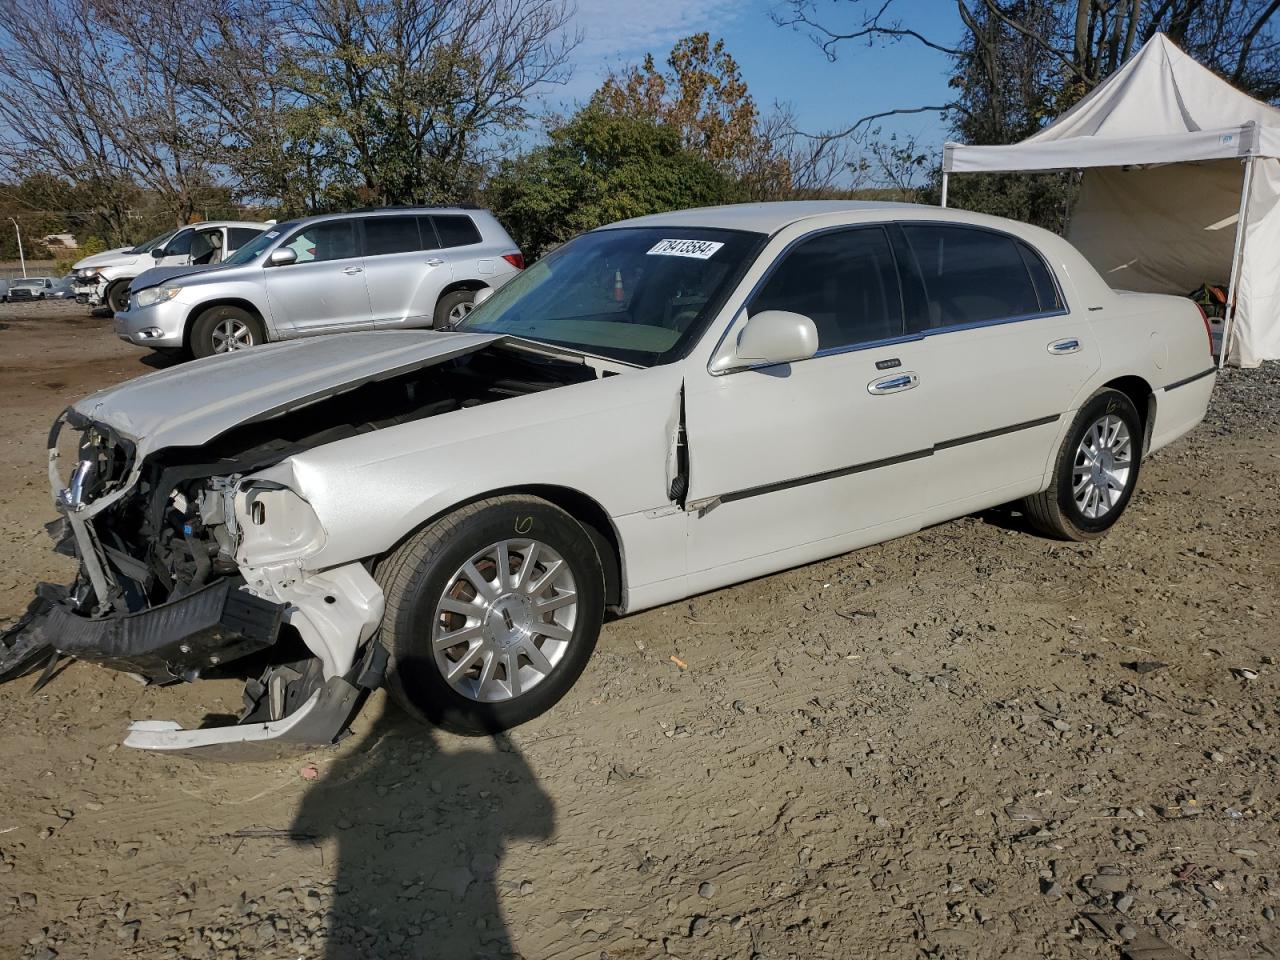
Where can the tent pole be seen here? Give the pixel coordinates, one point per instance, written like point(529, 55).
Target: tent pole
point(945, 177)
point(1237, 257)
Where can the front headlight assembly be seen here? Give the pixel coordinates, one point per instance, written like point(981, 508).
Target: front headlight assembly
point(154, 295)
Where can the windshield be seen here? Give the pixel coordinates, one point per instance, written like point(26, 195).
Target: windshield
point(259, 243)
point(154, 243)
point(641, 295)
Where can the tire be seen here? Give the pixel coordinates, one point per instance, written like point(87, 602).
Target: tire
point(225, 329)
point(427, 570)
point(117, 296)
point(1068, 513)
point(452, 307)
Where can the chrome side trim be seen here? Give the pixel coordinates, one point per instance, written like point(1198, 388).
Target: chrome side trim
point(706, 504)
point(1191, 379)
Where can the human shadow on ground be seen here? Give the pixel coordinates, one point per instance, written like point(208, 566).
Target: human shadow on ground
point(420, 834)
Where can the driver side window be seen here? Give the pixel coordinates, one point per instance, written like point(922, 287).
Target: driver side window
point(180, 245)
point(334, 240)
point(845, 281)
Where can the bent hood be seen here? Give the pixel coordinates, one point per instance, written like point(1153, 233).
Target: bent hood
point(120, 257)
point(158, 275)
point(192, 403)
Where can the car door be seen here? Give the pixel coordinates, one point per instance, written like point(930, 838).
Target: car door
point(324, 290)
point(1000, 349)
point(789, 459)
point(405, 270)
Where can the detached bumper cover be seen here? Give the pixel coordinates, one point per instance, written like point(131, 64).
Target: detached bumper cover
point(174, 641)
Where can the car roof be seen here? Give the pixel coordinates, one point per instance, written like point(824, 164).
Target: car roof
point(253, 224)
point(762, 217)
point(390, 212)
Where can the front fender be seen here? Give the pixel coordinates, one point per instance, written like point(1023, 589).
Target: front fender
point(607, 440)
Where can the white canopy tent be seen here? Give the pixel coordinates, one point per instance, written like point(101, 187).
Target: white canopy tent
point(1181, 186)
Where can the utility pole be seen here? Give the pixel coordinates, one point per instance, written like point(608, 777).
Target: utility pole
point(21, 259)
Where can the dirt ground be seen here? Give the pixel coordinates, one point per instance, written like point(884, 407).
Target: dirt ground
point(938, 747)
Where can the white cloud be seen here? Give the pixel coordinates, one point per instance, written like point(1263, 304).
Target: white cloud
point(617, 32)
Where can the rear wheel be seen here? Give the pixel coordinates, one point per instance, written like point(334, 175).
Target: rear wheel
point(491, 614)
point(453, 308)
point(1095, 473)
point(224, 330)
point(118, 296)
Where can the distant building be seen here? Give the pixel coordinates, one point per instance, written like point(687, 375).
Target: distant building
point(61, 240)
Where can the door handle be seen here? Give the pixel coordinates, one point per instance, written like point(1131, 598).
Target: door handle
point(894, 384)
point(352, 271)
point(1061, 347)
point(435, 262)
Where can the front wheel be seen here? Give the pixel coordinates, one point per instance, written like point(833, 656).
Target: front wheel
point(224, 330)
point(117, 296)
point(1096, 470)
point(491, 614)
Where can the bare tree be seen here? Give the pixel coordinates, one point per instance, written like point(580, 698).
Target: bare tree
point(398, 101)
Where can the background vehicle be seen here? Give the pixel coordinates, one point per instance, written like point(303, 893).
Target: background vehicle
point(31, 288)
point(660, 408)
point(105, 277)
point(400, 267)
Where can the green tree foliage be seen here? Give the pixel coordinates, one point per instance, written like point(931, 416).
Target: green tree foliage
point(598, 167)
point(703, 96)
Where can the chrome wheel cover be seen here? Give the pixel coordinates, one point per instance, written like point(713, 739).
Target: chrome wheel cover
point(231, 334)
point(460, 311)
point(505, 621)
point(1103, 466)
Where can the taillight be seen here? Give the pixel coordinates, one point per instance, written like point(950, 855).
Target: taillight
point(1208, 327)
point(515, 259)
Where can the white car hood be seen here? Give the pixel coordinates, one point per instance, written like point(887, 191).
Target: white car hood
point(192, 403)
point(121, 257)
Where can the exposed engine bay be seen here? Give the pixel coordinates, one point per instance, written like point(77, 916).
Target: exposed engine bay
point(159, 592)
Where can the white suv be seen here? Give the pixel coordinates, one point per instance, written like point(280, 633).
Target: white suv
point(104, 278)
point(389, 268)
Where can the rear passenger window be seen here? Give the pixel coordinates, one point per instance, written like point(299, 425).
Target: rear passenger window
point(455, 230)
point(970, 276)
point(237, 237)
point(844, 281)
point(1046, 290)
point(383, 235)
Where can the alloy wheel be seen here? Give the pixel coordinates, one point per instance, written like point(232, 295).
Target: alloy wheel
point(1103, 466)
point(459, 312)
point(505, 620)
point(231, 334)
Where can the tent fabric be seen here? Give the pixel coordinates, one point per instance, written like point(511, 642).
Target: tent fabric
point(1160, 107)
point(1162, 142)
point(1168, 229)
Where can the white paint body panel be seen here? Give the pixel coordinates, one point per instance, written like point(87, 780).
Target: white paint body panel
point(611, 439)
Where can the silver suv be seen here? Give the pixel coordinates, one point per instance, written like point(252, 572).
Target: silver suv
point(390, 268)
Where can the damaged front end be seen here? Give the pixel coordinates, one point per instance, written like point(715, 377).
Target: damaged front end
point(164, 591)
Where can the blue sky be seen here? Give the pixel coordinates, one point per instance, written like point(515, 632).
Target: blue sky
point(779, 64)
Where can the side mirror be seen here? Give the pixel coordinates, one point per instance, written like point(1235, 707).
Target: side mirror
point(281, 256)
point(775, 336)
point(158, 253)
point(482, 295)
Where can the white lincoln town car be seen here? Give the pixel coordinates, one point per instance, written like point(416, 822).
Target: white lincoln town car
point(660, 407)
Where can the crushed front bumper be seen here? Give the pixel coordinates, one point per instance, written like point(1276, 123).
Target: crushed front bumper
point(171, 642)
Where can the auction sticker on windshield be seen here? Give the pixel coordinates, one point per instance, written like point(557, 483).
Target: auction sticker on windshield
point(698, 249)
